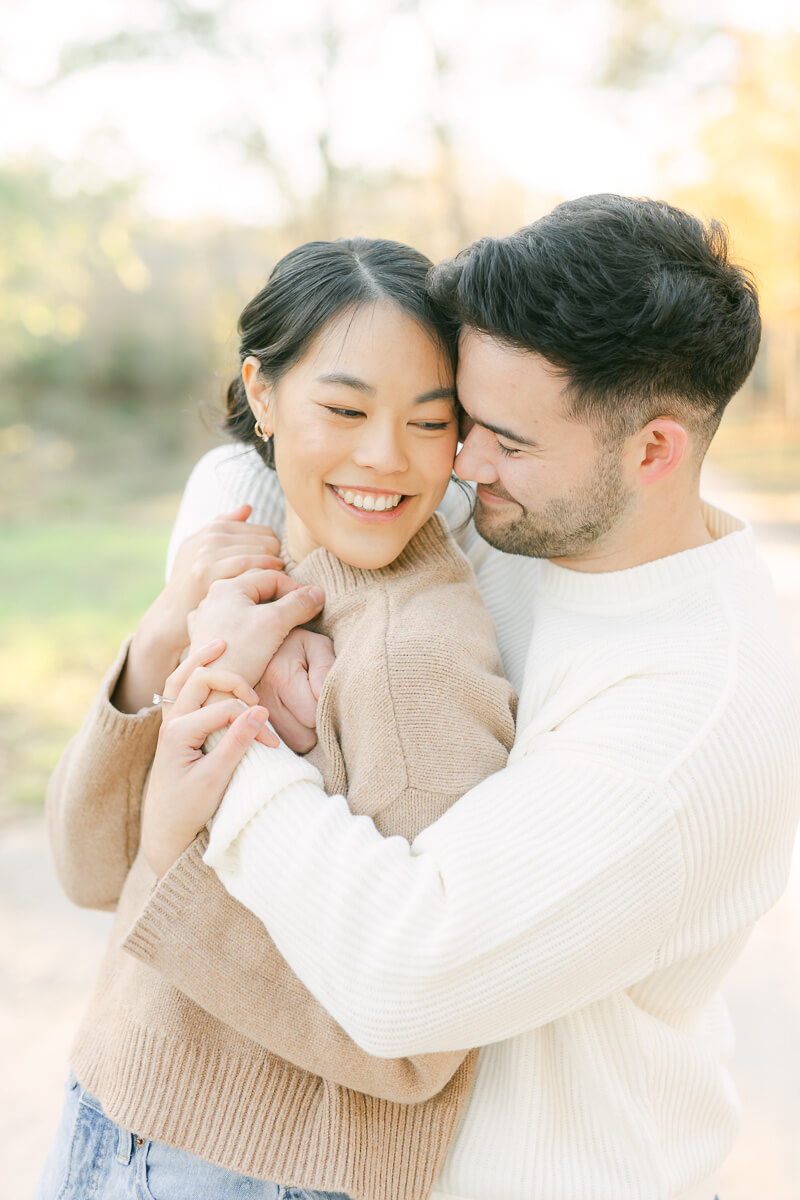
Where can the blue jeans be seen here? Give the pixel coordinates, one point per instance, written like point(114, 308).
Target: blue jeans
point(91, 1156)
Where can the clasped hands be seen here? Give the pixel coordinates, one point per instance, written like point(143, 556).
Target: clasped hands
point(248, 660)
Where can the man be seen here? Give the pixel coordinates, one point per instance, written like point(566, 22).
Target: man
point(576, 912)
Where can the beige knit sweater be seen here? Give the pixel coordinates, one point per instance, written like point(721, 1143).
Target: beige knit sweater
point(250, 1071)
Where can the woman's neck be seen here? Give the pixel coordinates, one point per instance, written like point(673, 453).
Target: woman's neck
point(299, 541)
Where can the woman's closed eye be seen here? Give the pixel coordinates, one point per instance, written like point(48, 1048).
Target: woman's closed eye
point(354, 413)
point(343, 412)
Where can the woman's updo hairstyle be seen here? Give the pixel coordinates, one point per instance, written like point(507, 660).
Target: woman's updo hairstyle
point(305, 290)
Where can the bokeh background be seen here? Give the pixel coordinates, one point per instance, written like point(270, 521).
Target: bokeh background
point(156, 158)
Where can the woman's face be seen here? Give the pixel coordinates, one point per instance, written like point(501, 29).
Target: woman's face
point(365, 433)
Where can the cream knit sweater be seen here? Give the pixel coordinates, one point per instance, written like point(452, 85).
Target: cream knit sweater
point(181, 1055)
point(576, 912)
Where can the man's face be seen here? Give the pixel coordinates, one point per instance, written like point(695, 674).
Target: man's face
point(548, 487)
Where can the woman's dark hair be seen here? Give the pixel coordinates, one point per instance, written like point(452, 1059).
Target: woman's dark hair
point(306, 289)
point(636, 302)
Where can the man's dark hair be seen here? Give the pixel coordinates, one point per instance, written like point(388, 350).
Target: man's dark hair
point(634, 301)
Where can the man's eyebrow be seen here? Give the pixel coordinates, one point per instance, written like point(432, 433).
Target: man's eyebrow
point(507, 433)
point(345, 380)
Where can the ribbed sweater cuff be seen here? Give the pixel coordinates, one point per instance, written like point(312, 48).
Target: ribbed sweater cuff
point(131, 732)
point(262, 775)
point(168, 899)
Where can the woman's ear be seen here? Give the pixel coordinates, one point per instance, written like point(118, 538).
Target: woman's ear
point(259, 393)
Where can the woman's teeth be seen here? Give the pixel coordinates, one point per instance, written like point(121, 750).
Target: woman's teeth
point(368, 501)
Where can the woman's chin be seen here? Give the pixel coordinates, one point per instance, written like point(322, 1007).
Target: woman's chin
point(373, 549)
point(369, 544)
point(370, 560)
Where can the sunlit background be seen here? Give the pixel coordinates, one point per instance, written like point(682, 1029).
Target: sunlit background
point(157, 157)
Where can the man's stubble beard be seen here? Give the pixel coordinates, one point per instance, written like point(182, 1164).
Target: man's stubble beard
point(568, 525)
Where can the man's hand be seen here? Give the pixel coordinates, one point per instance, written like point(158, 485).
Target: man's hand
point(254, 613)
point(291, 686)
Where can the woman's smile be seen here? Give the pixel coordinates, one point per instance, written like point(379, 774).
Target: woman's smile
point(370, 504)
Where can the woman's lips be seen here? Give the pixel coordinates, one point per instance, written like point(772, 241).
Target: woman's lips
point(364, 514)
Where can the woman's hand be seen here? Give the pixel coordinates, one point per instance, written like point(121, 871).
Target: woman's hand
point(186, 785)
point(254, 613)
point(220, 550)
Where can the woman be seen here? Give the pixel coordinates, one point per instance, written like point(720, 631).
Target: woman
point(347, 387)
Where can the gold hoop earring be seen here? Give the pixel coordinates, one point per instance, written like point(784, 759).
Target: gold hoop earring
point(260, 433)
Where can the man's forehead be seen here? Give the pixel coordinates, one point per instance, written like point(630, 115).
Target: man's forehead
point(494, 375)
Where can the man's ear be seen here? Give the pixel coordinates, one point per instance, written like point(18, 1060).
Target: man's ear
point(657, 450)
point(259, 393)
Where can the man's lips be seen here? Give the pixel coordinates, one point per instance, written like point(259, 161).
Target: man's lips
point(489, 497)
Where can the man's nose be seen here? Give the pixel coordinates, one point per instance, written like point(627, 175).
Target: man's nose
point(473, 461)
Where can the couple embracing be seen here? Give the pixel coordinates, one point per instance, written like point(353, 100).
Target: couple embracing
point(435, 941)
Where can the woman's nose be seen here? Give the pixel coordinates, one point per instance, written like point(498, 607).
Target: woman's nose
point(380, 448)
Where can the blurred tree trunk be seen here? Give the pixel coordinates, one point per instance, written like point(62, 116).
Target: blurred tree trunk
point(447, 165)
point(444, 135)
point(331, 38)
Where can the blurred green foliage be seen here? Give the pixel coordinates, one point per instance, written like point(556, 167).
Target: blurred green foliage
point(115, 331)
point(70, 593)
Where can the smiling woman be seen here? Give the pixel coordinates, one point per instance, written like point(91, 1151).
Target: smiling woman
point(346, 400)
point(365, 433)
point(347, 389)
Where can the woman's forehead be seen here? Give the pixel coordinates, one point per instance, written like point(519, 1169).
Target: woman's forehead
point(376, 339)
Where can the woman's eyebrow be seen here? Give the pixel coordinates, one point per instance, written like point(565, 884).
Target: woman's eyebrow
point(350, 381)
point(360, 385)
point(442, 393)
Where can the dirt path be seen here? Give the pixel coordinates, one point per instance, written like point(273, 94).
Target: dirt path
point(49, 953)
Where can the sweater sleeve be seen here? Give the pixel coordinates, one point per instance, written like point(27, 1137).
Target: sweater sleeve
point(94, 796)
point(550, 885)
